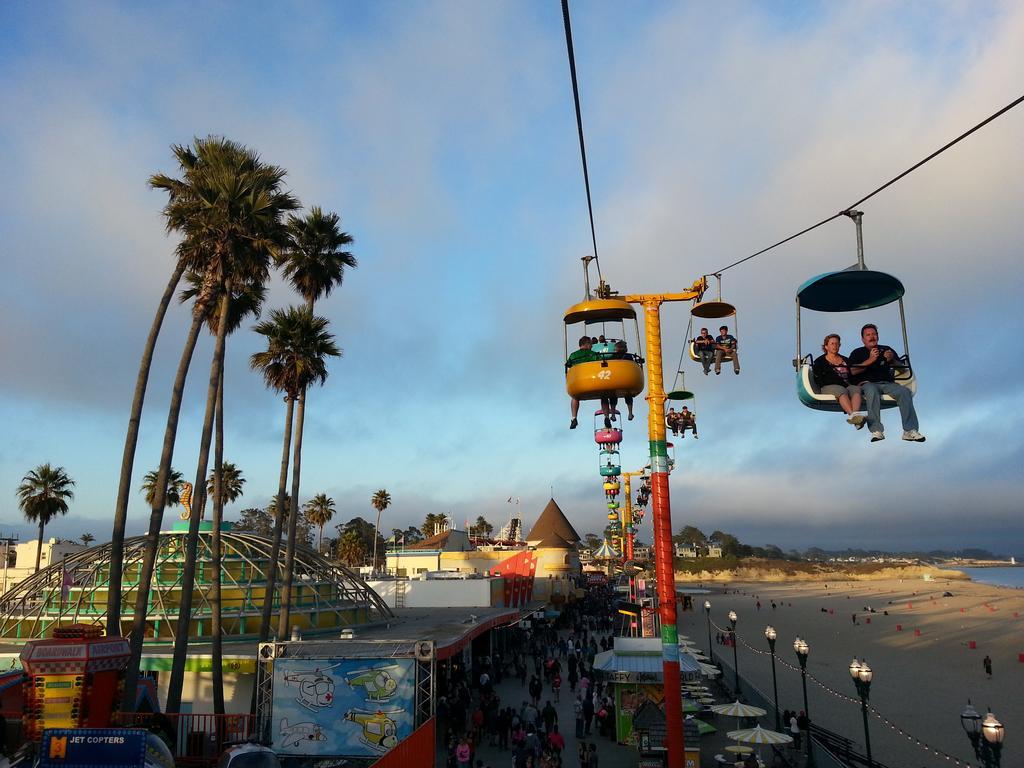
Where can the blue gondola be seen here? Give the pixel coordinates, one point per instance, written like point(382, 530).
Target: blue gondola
point(850, 290)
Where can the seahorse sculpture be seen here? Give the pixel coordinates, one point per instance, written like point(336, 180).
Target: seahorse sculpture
point(186, 500)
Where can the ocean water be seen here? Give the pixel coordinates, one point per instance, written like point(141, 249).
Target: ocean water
point(1003, 577)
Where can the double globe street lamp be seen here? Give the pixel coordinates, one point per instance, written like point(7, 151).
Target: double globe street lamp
point(770, 634)
point(802, 650)
point(735, 652)
point(986, 735)
point(861, 674)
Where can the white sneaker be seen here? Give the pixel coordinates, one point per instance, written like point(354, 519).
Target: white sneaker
point(876, 436)
point(913, 436)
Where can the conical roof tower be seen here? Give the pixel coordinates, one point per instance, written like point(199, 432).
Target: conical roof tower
point(552, 521)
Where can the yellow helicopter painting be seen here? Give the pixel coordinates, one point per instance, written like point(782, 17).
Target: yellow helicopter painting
point(379, 731)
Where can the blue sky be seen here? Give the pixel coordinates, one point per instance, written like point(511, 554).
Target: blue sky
point(443, 134)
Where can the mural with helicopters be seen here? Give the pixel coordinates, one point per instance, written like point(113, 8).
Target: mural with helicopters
point(343, 707)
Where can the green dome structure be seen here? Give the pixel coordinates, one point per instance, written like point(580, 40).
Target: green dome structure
point(325, 596)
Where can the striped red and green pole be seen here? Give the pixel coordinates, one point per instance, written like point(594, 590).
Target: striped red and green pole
point(662, 525)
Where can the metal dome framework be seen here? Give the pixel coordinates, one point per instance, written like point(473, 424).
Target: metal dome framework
point(325, 596)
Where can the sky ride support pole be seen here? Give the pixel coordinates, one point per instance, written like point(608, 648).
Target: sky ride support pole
point(662, 526)
point(627, 520)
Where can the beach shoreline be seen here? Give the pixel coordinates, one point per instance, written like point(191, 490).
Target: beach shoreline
point(925, 647)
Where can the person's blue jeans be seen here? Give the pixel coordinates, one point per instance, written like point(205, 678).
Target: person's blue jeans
point(707, 357)
point(873, 391)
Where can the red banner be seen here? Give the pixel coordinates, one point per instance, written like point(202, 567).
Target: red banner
point(518, 572)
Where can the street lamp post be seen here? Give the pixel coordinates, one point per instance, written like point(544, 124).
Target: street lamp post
point(861, 674)
point(735, 652)
point(986, 735)
point(802, 649)
point(707, 614)
point(770, 634)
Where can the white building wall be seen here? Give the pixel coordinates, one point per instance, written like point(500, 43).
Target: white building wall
point(440, 593)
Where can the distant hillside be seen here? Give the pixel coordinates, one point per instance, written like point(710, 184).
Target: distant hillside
point(755, 569)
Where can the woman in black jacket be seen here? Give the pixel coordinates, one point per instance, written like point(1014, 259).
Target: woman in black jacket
point(832, 375)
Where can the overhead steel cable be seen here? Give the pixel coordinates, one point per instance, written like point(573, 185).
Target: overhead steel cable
point(887, 184)
point(579, 128)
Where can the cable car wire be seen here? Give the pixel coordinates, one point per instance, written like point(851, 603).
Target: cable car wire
point(579, 128)
point(887, 184)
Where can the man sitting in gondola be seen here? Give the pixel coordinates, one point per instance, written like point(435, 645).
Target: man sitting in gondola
point(621, 352)
point(873, 366)
point(704, 347)
point(726, 345)
point(687, 420)
point(672, 421)
point(584, 354)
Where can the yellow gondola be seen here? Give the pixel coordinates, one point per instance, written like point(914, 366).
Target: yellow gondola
point(609, 376)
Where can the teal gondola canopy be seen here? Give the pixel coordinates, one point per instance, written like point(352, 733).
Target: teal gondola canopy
point(849, 290)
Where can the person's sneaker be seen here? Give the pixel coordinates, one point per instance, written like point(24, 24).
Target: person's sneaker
point(695, 437)
point(573, 424)
point(860, 424)
point(913, 436)
point(876, 436)
point(718, 373)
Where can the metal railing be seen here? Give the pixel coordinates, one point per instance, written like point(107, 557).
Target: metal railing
point(196, 739)
point(831, 750)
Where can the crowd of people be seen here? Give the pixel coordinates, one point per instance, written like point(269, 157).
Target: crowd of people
point(545, 658)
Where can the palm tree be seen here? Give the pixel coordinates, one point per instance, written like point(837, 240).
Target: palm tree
point(298, 346)
point(172, 497)
point(43, 494)
point(229, 208)
point(350, 549)
point(184, 198)
point(231, 482)
point(381, 500)
point(314, 263)
point(430, 522)
point(87, 539)
point(319, 511)
point(183, 259)
point(246, 298)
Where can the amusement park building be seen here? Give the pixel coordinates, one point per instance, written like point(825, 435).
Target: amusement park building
point(326, 597)
point(552, 539)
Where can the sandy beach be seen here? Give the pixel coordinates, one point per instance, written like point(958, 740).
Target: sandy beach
point(923, 675)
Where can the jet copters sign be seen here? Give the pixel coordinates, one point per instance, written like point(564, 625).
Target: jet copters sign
point(342, 707)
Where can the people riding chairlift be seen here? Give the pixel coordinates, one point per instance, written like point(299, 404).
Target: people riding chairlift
point(585, 354)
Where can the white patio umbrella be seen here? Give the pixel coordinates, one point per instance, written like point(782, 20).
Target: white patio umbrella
point(759, 735)
point(738, 709)
point(709, 671)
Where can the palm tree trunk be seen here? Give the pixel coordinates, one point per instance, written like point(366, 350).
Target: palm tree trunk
point(217, 651)
point(188, 576)
point(131, 439)
point(293, 515)
point(279, 518)
point(320, 541)
point(156, 515)
point(376, 535)
point(39, 544)
point(293, 519)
